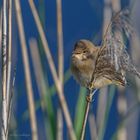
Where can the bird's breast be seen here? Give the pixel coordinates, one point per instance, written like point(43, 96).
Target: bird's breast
point(82, 73)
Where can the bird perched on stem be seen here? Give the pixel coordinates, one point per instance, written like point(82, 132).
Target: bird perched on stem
point(94, 67)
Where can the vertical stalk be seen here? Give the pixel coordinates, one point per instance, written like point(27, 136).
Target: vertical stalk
point(53, 71)
point(85, 121)
point(60, 40)
point(30, 97)
point(93, 127)
point(60, 63)
point(4, 65)
point(9, 51)
point(43, 87)
point(103, 98)
point(132, 132)
point(89, 100)
point(59, 124)
point(103, 114)
point(8, 69)
point(121, 103)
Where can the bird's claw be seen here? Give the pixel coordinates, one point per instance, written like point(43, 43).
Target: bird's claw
point(89, 98)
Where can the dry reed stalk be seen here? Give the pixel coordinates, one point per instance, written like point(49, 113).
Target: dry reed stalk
point(8, 70)
point(4, 134)
point(38, 71)
point(60, 40)
point(122, 108)
point(41, 84)
point(60, 64)
point(59, 124)
point(102, 100)
point(89, 100)
point(0, 28)
point(85, 121)
point(53, 70)
point(133, 121)
point(9, 52)
point(122, 103)
point(44, 41)
point(93, 127)
point(102, 103)
point(30, 97)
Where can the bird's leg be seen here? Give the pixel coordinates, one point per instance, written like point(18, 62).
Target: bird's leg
point(90, 95)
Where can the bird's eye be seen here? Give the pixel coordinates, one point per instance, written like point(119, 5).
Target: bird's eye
point(85, 51)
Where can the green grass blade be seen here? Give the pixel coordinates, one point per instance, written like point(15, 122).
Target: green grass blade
point(79, 115)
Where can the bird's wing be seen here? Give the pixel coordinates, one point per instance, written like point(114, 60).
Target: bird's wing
point(105, 68)
point(110, 55)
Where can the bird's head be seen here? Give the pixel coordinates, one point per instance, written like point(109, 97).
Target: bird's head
point(84, 50)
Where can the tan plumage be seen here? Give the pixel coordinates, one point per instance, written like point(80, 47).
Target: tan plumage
point(95, 67)
point(83, 61)
point(84, 66)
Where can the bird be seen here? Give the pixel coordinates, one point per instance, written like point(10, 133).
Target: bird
point(97, 66)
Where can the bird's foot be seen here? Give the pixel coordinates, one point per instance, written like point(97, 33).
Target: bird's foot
point(89, 98)
point(90, 95)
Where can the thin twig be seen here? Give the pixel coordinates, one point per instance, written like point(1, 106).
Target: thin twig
point(89, 100)
point(4, 66)
point(27, 71)
point(53, 70)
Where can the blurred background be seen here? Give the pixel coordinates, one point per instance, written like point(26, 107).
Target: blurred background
point(114, 113)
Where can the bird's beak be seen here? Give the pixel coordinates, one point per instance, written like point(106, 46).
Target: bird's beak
point(77, 56)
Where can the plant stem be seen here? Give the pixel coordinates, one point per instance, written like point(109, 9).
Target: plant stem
point(59, 124)
point(89, 100)
point(60, 63)
point(85, 120)
point(53, 71)
point(93, 127)
point(8, 70)
point(9, 48)
point(60, 40)
point(45, 96)
point(30, 97)
point(4, 74)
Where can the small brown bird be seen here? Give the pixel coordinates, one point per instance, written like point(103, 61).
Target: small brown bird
point(94, 67)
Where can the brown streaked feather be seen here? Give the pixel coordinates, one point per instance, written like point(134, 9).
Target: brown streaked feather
point(105, 68)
